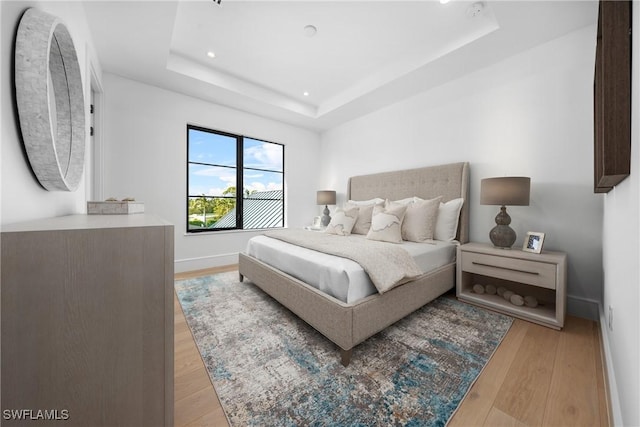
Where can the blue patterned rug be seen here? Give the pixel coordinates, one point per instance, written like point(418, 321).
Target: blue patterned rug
point(270, 368)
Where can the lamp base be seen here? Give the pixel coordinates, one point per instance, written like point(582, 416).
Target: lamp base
point(502, 236)
point(326, 219)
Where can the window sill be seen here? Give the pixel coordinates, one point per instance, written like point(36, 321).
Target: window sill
point(214, 233)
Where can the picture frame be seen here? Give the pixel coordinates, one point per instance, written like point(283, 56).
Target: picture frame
point(612, 95)
point(533, 242)
point(317, 222)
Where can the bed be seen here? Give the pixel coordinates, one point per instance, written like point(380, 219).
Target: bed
point(349, 323)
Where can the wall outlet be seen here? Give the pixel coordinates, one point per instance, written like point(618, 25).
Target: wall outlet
point(610, 319)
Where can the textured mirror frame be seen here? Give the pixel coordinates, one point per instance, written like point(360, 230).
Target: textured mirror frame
point(46, 65)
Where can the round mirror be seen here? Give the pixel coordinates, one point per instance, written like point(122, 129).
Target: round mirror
point(50, 99)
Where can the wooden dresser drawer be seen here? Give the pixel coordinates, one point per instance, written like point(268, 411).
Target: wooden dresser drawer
point(516, 270)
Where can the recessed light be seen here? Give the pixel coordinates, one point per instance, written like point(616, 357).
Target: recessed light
point(310, 31)
point(444, 1)
point(306, 93)
point(210, 54)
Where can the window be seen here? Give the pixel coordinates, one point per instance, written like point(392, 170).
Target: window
point(219, 164)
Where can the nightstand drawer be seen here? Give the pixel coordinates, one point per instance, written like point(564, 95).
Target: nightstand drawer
point(516, 270)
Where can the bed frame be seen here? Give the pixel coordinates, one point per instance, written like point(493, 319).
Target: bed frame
point(347, 325)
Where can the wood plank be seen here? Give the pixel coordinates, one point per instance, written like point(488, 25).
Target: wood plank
point(606, 416)
point(191, 382)
point(184, 345)
point(497, 418)
point(181, 325)
point(182, 337)
point(478, 403)
point(194, 406)
point(215, 417)
point(186, 363)
point(523, 394)
point(575, 364)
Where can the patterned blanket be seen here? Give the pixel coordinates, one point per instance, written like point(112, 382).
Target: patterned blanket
point(387, 264)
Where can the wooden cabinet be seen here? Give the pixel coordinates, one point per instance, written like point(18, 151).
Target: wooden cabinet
point(542, 276)
point(87, 321)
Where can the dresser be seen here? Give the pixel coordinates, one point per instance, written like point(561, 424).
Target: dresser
point(540, 276)
point(87, 321)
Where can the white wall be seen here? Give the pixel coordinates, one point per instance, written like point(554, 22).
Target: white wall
point(145, 158)
point(621, 261)
point(22, 196)
point(529, 115)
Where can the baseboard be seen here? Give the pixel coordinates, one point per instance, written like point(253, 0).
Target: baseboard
point(201, 263)
point(593, 310)
point(609, 374)
point(583, 307)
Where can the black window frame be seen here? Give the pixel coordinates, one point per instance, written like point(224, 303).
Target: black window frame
point(240, 168)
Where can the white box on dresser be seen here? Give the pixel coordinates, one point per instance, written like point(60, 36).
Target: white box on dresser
point(115, 208)
point(542, 276)
point(87, 319)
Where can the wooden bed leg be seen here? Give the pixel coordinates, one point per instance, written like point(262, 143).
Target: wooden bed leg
point(241, 277)
point(345, 356)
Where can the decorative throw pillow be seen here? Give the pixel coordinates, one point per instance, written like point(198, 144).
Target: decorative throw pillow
point(406, 201)
point(447, 220)
point(386, 223)
point(420, 220)
point(365, 212)
point(342, 221)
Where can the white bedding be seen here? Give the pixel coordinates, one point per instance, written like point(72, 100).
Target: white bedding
point(339, 277)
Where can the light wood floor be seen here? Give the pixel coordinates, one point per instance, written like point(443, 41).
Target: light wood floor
point(537, 377)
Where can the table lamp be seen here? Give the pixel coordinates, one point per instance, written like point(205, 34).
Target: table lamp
point(326, 197)
point(512, 190)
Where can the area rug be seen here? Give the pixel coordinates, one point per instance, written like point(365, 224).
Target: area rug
point(270, 368)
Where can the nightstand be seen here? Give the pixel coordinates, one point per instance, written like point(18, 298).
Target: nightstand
point(542, 276)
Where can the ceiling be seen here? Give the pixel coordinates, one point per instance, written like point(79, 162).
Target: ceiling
point(364, 55)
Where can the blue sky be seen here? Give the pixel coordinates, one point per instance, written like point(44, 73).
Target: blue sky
point(210, 148)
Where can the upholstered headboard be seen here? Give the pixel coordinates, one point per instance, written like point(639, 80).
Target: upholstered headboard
point(449, 181)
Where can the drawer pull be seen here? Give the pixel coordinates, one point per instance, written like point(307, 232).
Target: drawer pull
point(535, 273)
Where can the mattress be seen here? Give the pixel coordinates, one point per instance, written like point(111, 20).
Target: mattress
point(339, 277)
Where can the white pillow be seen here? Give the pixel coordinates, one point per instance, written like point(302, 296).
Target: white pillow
point(420, 220)
point(375, 201)
point(447, 220)
point(406, 201)
point(342, 221)
point(386, 223)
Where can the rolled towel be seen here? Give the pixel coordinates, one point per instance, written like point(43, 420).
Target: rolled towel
point(478, 289)
point(530, 301)
point(516, 299)
point(507, 295)
point(501, 290)
point(490, 289)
